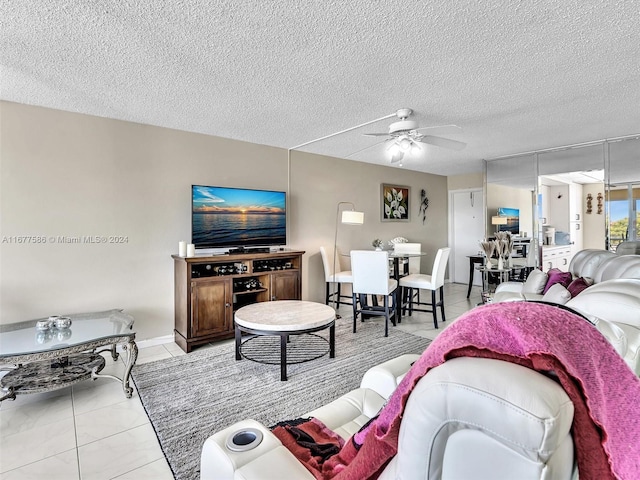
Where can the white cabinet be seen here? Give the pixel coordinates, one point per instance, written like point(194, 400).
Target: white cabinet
point(575, 216)
point(575, 202)
point(556, 257)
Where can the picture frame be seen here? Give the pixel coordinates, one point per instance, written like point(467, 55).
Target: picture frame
point(395, 203)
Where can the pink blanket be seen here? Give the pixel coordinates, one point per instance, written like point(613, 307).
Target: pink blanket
point(604, 390)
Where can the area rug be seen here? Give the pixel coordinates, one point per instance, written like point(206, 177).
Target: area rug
point(190, 397)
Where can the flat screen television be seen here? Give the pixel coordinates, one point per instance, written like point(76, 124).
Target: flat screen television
point(513, 220)
point(223, 217)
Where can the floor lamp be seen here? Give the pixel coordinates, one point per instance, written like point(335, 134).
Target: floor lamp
point(349, 217)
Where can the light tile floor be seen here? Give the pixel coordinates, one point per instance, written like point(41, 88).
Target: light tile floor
point(91, 431)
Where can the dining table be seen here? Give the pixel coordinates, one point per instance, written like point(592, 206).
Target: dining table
point(397, 274)
point(399, 270)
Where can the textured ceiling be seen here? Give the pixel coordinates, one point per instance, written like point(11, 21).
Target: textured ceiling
point(516, 76)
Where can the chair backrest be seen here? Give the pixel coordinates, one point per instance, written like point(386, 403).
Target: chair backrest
point(507, 434)
point(585, 262)
point(532, 253)
point(618, 266)
point(370, 270)
point(440, 267)
point(628, 248)
point(327, 262)
point(414, 262)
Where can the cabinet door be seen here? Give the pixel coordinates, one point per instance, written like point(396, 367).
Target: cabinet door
point(575, 202)
point(211, 310)
point(285, 286)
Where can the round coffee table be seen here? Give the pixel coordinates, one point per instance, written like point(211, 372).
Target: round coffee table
point(284, 318)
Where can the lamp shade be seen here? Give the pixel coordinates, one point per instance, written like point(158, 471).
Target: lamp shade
point(498, 220)
point(351, 217)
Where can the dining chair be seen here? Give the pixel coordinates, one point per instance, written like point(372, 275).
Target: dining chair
point(409, 265)
point(526, 264)
point(412, 262)
point(335, 280)
point(432, 282)
point(370, 271)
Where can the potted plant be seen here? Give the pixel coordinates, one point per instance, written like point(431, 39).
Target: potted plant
point(377, 244)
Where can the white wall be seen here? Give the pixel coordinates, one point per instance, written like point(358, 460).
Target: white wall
point(594, 224)
point(65, 174)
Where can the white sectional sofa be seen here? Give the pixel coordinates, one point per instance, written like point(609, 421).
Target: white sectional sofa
point(592, 264)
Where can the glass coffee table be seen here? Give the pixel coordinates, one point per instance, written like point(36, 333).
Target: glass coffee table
point(42, 360)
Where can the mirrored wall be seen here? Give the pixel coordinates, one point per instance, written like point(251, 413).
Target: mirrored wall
point(567, 199)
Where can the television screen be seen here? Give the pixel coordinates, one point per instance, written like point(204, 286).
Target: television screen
point(513, 220)
point(237, 217)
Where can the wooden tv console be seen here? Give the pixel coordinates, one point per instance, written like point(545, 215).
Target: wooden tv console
point(209, 289)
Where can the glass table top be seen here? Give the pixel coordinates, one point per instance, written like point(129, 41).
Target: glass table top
point(23, 338)
point(393, 254)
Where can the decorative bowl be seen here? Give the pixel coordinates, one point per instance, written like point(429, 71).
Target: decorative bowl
point(43, 325)
point(63, 322)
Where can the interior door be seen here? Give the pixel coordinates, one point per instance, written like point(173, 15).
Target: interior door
point(467, 231)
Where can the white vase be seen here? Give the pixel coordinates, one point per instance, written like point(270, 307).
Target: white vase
point(500, 263)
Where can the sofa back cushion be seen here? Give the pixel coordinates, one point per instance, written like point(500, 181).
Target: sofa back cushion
point(536, 281)
point(557, 294)
point(557, 276)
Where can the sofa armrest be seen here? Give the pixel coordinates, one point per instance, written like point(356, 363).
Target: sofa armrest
point(384, 378)
point(218, 462)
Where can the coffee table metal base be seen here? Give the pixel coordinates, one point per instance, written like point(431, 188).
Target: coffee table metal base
point(284, 340)
point(32, 373)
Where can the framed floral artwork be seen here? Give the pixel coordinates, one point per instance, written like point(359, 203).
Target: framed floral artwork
point(395, 203)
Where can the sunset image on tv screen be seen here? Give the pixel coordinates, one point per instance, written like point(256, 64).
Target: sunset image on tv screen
point(223, 216)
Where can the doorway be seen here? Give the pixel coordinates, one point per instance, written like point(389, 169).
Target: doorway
point(466, 231)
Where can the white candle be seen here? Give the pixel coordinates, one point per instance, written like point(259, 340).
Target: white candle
point(182, 249)
point(191, 250)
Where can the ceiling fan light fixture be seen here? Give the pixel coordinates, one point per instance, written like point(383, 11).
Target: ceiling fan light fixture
point(404, 143)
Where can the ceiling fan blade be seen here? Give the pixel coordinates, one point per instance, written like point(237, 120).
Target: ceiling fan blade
point(376, 134)
point(443, 129)
point(397, 157)
point(367, 148)
point(443, 142)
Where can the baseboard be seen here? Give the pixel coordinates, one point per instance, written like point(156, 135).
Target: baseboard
point(152, 342)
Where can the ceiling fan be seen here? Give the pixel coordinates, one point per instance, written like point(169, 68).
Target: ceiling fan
point(405, 136)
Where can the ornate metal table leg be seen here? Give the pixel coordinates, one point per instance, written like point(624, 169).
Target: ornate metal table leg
point(114, 353)
point(131, 360)
point(10, 395)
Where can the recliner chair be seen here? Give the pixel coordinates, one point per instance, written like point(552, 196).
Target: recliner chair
point(472, 417)
point(462, 423)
